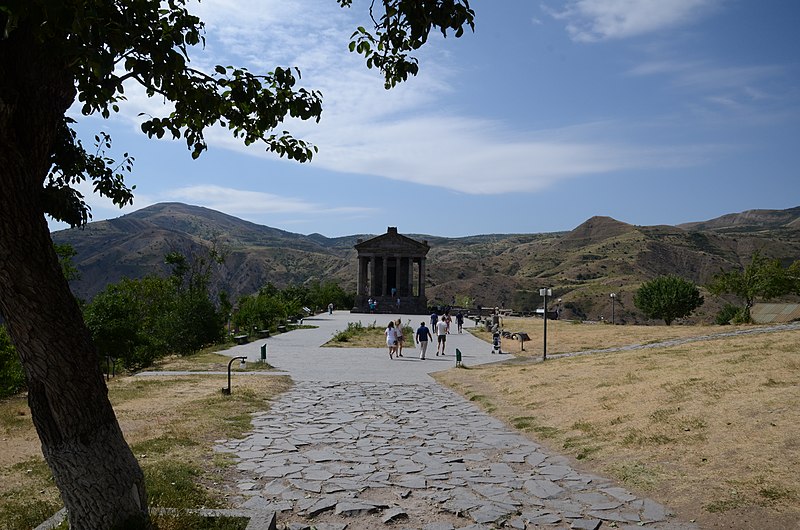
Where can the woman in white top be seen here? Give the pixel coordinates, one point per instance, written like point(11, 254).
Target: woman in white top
point(391, 339)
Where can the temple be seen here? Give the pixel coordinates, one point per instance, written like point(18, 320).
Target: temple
point(391, 267)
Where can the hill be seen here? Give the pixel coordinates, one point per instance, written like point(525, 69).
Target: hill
point(750, 221)
point(584, 265)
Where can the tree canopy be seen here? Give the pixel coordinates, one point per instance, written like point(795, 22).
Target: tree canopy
point(667, 298)
point(762, 278)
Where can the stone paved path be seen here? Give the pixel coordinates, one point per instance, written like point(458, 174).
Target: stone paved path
point(363, 442)
point(380, 448)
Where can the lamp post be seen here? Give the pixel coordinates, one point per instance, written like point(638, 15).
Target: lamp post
point(613, 299)
point(227, 391)
point(545, 293)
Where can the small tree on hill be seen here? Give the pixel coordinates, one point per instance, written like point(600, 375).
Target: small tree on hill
point(668, 298)
point(762, 278)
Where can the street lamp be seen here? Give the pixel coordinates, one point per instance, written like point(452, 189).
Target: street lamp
point(227, 391)
point(613, 298)
point(545, 293)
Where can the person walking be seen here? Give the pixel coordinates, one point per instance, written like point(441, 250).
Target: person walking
point(460, 320)
point(434, 320)
point(441, 335)
point(422, 336)
point(398, 333)
point(330, 308)
point(391, 339)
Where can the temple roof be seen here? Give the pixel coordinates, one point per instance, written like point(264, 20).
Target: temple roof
point(392, 243)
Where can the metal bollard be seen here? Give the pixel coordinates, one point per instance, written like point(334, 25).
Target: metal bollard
point(458, 357)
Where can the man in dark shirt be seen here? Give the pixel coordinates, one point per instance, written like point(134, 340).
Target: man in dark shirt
point(421, 337)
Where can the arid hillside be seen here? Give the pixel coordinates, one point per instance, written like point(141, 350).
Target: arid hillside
point(583, 266)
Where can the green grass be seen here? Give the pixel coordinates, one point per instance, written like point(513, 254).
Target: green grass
point(21, 508)
point(188, 521)
point(21, 511)
point(724, 505)
point(634, 474)
point(34, 467)
point(13, 417)
point(176, 485)
point(162, 445)
point(773, 495)
point(120, 394)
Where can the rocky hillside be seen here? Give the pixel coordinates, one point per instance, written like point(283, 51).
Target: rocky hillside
point(583, 266)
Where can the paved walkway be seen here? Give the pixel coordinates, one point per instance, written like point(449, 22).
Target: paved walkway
point(363, 442)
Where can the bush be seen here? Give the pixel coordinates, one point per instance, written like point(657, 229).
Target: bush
point(667, 298)
point(353, 330)
point(139, 321)
point(12, 378)
point(727, 314)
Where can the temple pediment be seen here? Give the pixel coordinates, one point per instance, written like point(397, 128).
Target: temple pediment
point(392, 243)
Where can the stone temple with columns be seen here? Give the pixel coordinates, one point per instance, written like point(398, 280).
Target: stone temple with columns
point(391, 267)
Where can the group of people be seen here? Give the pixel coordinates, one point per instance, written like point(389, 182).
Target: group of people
point(395, 339)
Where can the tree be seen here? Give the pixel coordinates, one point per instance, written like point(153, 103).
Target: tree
point(130, 320)
point(667, 298)
point(65, 254)
point(56, 52)
point(762, 278)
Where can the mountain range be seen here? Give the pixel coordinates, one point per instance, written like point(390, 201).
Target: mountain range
point(583, 266)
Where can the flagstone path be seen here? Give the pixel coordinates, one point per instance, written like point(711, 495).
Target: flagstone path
point(363, 442)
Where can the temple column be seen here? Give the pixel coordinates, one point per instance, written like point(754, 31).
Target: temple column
point(385, 274)
point(372, 267)
point(397, 275)
point(422, 277)
point(410, 276)
point(360, 277)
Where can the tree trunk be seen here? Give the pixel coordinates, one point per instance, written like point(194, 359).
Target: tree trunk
point(99, 479)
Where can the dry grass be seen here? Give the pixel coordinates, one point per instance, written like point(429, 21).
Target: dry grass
point(567, 336)
point(709, 428)
point(206, 361)
point(170, 423)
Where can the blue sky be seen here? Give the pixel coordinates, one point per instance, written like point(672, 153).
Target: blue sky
point(551, 112)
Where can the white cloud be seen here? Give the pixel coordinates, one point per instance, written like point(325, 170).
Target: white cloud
point(402, 134)
point(480, 157)
point(245, 202)
point(597, 20)
point(704, 75)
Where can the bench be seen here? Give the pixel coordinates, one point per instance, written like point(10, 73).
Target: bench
point(263, 333)
point(281, 329)
point(240, 339)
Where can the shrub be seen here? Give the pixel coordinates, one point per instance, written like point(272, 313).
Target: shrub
point(353, 330)
point(667, 298)
point(728, 313)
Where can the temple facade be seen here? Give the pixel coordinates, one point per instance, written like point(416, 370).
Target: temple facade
point(391, 267)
